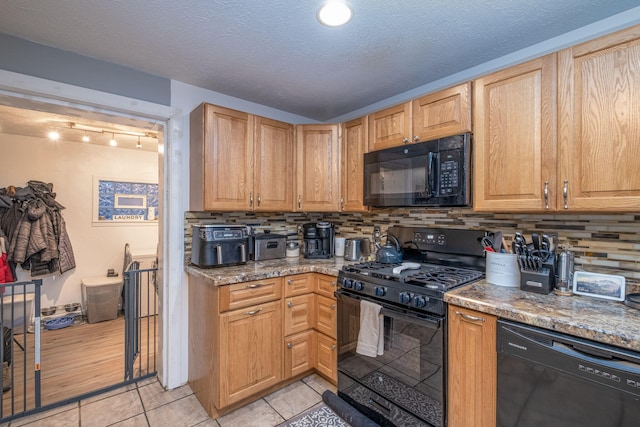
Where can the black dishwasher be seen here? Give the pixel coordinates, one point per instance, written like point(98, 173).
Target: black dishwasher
point(551, 379)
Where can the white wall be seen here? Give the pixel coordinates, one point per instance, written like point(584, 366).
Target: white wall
point(71, 167)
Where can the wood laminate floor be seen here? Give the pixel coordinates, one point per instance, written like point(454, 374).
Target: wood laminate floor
point(75, 360)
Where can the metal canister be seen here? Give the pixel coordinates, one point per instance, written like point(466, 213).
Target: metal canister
point(564, 271)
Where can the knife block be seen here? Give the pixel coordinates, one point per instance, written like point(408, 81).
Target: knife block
point(540, 282)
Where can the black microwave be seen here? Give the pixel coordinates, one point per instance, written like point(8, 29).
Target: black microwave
point(429, 173)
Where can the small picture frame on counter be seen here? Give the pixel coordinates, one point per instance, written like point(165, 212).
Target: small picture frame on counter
point(605, 286)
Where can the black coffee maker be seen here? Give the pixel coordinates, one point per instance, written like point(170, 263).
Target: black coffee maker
point(318, 239)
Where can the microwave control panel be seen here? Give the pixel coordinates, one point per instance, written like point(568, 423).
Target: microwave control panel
point(450, 173)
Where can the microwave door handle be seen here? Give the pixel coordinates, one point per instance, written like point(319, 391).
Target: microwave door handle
point(243, 252)
point(431, 174)
point(219, 253)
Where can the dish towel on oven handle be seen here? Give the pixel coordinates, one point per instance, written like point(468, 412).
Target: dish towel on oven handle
point(371, 334)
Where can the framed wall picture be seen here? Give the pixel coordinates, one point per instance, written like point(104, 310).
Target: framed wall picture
point(120, 202)
point(606, 286)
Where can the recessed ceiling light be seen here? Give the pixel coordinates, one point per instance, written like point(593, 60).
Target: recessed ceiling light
point(85, 138)
point(54, 136)
point(113, 141)
point(334, 13)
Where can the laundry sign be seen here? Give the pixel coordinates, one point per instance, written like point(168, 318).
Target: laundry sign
point(128, 218)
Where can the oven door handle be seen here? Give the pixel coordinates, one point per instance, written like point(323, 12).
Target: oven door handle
point(389, 311)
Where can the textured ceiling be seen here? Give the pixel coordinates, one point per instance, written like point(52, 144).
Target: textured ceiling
point(276, 54)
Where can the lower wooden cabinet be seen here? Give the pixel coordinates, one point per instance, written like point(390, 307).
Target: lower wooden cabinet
point(472, 368)
point(326, 315)
point(326, 356)
point(299, 352)
point(299, 313)
point(245, 334)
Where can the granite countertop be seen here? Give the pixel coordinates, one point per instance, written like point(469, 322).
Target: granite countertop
point(258, 270)
point(606, 321)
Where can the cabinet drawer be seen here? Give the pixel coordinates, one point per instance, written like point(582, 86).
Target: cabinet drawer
point(326, 285)
point(298, 313)
point(249, 293)
point(298, 284)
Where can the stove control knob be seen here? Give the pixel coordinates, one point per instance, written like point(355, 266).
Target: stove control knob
point(405, 297)
point(357, 286)
point(420, 301)
point(381, 291)
point(347, 283)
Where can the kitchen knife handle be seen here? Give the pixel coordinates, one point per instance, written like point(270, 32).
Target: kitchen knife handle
point(565, 194)
point(546, 195)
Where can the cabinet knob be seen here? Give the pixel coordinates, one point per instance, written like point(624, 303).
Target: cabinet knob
point(416, 139)
point(289, 304)
point(333, 347)
point(334, 284)
point(405, 140)
point(333, 306)
point(565, 194)
point(289, 345)
point(290, 282)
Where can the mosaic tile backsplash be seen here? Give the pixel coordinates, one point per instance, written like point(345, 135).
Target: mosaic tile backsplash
point(107, 191)
point(608, 244)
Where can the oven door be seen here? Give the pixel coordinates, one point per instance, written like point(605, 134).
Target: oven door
point(405, 385)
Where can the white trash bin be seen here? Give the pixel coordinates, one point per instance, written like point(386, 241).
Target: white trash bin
point(101, 296)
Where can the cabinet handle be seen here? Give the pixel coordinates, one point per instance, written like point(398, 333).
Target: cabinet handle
point(405, 140)
point(469, 317)
point(299, 201)
point(250, 200)
point(254, 286)
point(289, 304)
point(416, 139)
point(565, 194)
point(259, 199)
point(333, 307)
point(546, 195)
point(333, 347)
point(341, 203)
point(251, 313)
point(289, 345)
point(290, 282)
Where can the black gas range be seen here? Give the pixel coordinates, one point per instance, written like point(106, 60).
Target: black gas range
point(434, 261)
point(403, 382)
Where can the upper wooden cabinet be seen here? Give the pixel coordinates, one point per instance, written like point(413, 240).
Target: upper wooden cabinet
point(239, 161)
point(514, 114)
point(390, 127)
point(317, 168)
point(354, 145)
point(273, 179)
point(599, 124)
point(443, 113)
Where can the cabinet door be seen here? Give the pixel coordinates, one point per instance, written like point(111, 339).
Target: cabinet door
point(472, 368)
point(326, 357)
point(354, 145)
point(325, 285)
point(298, 284)
point(390, 127)
point(318, 168)
point(515, 138)
point(250, 351)
point(326, 316)
point(599, 124)
point(298, 313)
point(444, 113)
point(274, 165)
point(221, 159)
point(299, 351)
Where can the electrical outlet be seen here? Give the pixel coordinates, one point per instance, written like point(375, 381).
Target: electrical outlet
point(377, 234)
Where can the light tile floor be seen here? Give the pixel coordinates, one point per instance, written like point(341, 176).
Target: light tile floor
point(147, 404)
